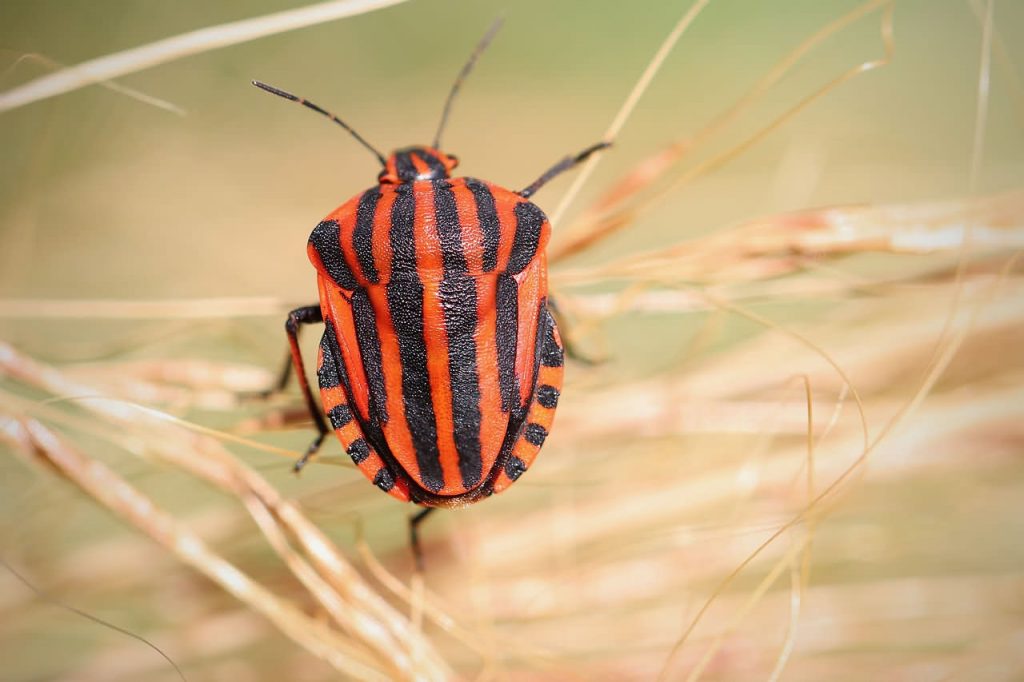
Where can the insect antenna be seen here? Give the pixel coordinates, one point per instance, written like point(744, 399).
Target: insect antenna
point(309, 105)
point(467, 67)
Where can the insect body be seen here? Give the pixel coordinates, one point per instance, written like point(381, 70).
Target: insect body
point(438, 339)
point(440, 366)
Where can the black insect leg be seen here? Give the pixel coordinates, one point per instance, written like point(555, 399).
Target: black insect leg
point(285, 373)
point(414, 536)
point(565, 164)
point(309, 314)
point(568, 343)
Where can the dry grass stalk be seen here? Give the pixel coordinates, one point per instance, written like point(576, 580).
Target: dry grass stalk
point(632, 99)
point(639, 509)
point(35, 441)
point(109, 85)
point(333, 582)
point(651, 179)
point(202, 40)
point(750, 261)
point(683, 405)
point(653, 532)
point(165, 309)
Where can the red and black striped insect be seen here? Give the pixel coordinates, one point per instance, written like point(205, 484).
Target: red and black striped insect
point(440, 365)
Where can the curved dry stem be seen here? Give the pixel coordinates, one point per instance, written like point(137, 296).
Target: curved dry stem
point(721, 159)
point(982, 101)
point(42, 595)
point(800, 572)
point(169, 49)
point(802, 516)
point(124, 309)
point(765, 249)
point(797, 559)
point(37, 443)
point(783, 66)
point(222, 436)
point(789, 558)
point(977, 149)
point(374, 623)
point(796, 590)
point(828, 494)
point(631, 101)
point(818, 350)
point(428, 602)
point(596, 227)
point(339, 611)
point(114, 86)
point(650, 169)
point(1016, 90)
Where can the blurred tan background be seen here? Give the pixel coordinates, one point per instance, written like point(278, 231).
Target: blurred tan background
point(106, 197)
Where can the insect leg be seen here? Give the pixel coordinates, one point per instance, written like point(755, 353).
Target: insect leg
point(283, 375)
point(570, 347)
point(414, 536)
point(309, 314)
point(560, 167)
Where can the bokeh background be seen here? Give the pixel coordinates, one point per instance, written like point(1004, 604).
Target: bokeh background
point(596, 562)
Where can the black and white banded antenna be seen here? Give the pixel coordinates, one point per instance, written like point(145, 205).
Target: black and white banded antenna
point(309, 105)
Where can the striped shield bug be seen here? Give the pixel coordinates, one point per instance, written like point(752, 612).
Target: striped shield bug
point(440, 364)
